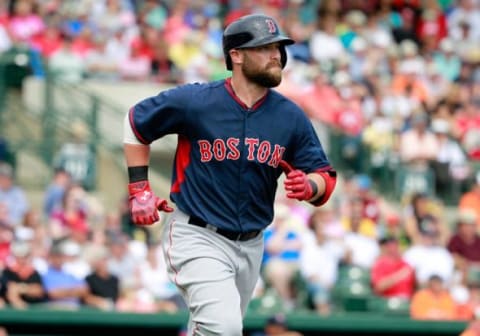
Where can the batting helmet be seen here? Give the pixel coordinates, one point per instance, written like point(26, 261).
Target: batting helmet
point(252, 31)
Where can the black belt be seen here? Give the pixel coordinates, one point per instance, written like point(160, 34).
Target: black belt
point(232, 235)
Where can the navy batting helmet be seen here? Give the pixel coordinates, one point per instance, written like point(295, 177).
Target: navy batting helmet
point(252, 31)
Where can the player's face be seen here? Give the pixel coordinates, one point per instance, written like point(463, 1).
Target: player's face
point(262, 65)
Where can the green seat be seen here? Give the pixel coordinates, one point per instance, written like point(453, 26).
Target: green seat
point(352, 295)
point(348, 274)
point(389, 306)
point(269, 303)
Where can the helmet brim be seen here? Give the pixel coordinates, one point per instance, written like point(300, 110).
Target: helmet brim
point(283, 40)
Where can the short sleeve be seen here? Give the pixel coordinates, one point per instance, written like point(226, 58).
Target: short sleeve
point(163, 114)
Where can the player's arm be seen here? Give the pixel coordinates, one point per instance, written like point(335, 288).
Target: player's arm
point(143, 203)
point(316, 187)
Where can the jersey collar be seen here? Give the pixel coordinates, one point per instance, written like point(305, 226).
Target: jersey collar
point(228, 86)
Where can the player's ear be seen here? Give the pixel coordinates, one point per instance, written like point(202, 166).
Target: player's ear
point(236, 56)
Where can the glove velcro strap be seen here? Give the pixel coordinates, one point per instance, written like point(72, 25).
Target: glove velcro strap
point(136, 187)
point(330, 177)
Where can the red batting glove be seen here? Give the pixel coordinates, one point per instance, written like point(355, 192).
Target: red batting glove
point(144, 204)
point(297, 184)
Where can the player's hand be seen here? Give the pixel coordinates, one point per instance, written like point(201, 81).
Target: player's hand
point(144, 204)
point(297, 184)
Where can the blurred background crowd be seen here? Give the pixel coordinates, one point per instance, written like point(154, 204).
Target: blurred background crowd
point(396, 84)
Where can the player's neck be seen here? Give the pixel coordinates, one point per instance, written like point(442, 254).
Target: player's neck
point(249, 93)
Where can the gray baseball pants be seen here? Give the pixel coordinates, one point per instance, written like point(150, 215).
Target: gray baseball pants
point(216, 275)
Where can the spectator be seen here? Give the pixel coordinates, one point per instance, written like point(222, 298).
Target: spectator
point(465, 12)
point(154, 284)
point(432, 25)
point(433, 302)
point(469, 308)
point(6, 237)
point(428, 257)
point(76, 156)
point(122, 263)
point(100, 64)
point(23, 284)
point(75, 262)
point(357, 221)
point(103, 287)
point(325, 47)
point(12, 196)
point(283, 244)
point(418, 145)
point(421, 215)
point(65, 64)
point(320, 259)
point(24, 23)
point(64, 290)
point(73, 214)
point(465, 242)
point(467, 123)
point(362, 247)
point(446, 62)
point(391, 276)
point(450, 165)
point(53, 196)
point(471, 199)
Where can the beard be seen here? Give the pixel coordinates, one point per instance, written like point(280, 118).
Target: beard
point(268, 77)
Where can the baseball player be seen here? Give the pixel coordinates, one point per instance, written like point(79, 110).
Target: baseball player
point(235, 137)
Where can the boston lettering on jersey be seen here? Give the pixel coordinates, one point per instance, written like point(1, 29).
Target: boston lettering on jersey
point(261, 151)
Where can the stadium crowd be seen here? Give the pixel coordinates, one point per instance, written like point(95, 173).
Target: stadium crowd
point(397, 81)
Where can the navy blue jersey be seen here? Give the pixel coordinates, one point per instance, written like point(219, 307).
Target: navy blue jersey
point(226, 163)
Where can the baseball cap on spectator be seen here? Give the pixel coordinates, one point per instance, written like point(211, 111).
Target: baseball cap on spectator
point(356, 18)
point(381, 40)
point(70, 248)
point(341, 78)
point(440, 126)
point(446, 45)
point(23, 233)
point(20, 249)
point(467, 216)
point(408, 48)
point(359, 44)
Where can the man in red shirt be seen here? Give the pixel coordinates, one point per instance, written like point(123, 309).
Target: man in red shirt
point(391, 275)
point(465, 242)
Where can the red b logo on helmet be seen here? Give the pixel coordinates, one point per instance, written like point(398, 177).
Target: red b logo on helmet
point(272, 28)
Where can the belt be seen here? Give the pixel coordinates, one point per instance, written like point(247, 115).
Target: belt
point(231, 235)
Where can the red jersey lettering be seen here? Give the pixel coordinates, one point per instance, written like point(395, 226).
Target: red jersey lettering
point(205, 150)
point(251, 143)
point(263, 151)
point(276, 156)
point(233, 152)
point(219, 150)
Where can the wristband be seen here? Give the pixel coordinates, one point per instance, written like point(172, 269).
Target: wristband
point(314, 187)
point(137, 173)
